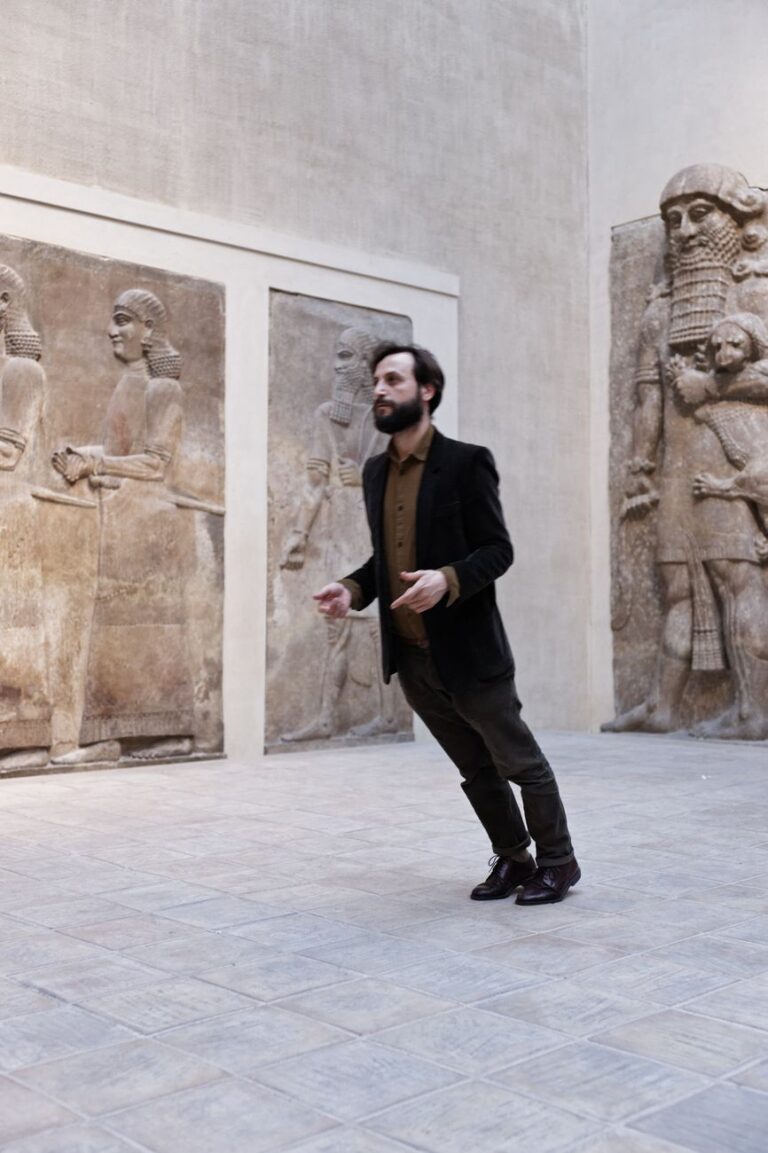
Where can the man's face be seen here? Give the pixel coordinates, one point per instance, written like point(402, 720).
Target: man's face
point(398, 400)
point(731, 347)
point(126, 332)
point(698, 227)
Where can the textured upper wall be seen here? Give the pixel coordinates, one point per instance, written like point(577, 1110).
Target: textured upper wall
point(445, 131)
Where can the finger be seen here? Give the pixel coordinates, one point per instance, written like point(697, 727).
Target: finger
point(411, 576)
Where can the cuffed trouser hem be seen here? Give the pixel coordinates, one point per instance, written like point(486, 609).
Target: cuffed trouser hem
point(546, 862)
point(510, 852)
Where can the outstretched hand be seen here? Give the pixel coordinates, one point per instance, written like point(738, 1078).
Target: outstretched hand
point(333, 600)
point(430, 585)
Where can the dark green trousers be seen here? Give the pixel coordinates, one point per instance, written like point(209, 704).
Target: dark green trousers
point(486, 738)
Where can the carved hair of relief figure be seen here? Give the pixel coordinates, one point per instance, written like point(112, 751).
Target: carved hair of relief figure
point(138, 692)
point(344, 437)
point(709, 549)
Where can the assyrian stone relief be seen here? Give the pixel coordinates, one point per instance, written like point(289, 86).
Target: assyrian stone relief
point(111, 514)
point(689, 461)
point(323, 679)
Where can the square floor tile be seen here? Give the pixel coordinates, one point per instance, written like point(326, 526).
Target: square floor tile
point(227, 1115)
point(462, 978)
point(90, 977)
point(37, 1037)
point(172, 1001)
point(601, 1082)
point(699, 1044)
point(745, 1002)
point(23, 1111)
point(276, 975)
point(548, 953)
point(650, 978)
point(569, 1008)
point(714, 954)
point(243, 1042)
point(355, 1079)
point(366, 1005)
point(481, 1117)
point(373, 953)
point(723, 1119)
point(122, 1075)
point(470, 1040)
point(70, 1139)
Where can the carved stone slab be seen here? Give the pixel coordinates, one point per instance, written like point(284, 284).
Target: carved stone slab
point(689, 461)
point(111, 510)
point(323, 678)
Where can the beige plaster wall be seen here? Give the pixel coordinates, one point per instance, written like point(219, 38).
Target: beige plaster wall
point(671, 83)
point(449, 132)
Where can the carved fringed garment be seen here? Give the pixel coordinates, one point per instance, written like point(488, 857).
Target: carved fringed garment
point(25, 709)
point(139, 682)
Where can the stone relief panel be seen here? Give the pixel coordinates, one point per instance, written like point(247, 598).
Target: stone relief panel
point(111, 510)
point(689, 461)
point(323, 677)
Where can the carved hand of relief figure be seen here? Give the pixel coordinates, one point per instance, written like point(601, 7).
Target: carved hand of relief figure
point(640, 493)
point(705, 484)
point(294, 553)
point(72, 465)
point(350, 474)
point(691, 385)
point(761, 548)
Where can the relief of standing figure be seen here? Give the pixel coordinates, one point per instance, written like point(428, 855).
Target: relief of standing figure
point(25, 708)
point(138, 692)
point(714, 593)
point(344, 437)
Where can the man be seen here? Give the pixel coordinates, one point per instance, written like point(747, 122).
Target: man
point(439, 543)
point(706, 547)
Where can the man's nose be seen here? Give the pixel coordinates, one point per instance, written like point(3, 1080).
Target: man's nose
point(379, 388)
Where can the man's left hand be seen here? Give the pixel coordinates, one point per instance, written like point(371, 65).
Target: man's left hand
point(429, 587)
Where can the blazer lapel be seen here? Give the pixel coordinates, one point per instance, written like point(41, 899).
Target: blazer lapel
point(377, 471)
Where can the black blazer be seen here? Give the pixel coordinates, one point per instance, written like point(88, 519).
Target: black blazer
point(459, 522)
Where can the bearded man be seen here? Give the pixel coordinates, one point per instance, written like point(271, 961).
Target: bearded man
point(714, 594)
point(439, 543)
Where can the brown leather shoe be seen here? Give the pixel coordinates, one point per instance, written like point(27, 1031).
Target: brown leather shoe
point(503, 879)
point(549, 883)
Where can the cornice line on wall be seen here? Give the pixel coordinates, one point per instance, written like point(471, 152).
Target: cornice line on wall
point(17, 184)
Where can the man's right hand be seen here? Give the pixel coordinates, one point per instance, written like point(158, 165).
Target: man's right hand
point(333, 600)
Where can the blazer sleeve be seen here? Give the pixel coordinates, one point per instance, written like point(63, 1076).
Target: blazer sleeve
point(490, 549)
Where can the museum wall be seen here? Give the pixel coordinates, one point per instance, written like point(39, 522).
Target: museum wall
point(671, 84)
point(449, 134)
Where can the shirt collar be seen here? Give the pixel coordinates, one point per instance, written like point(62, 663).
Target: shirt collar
point(420, 452)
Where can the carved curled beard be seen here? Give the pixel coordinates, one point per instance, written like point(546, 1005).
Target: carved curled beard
point(346, 389)
point(701, 277)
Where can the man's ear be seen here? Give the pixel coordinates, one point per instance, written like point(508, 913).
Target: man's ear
point(427, 391)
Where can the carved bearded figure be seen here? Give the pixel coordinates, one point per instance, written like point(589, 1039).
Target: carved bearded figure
point(344, 437)
point(713, 587)
point(138, 692)
point(25, 709)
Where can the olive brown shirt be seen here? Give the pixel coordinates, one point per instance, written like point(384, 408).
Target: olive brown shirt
point(399, 525)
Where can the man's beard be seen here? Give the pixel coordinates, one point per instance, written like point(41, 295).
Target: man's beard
point(402, 416)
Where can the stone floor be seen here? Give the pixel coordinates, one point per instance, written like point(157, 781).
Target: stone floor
point(239, 959)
